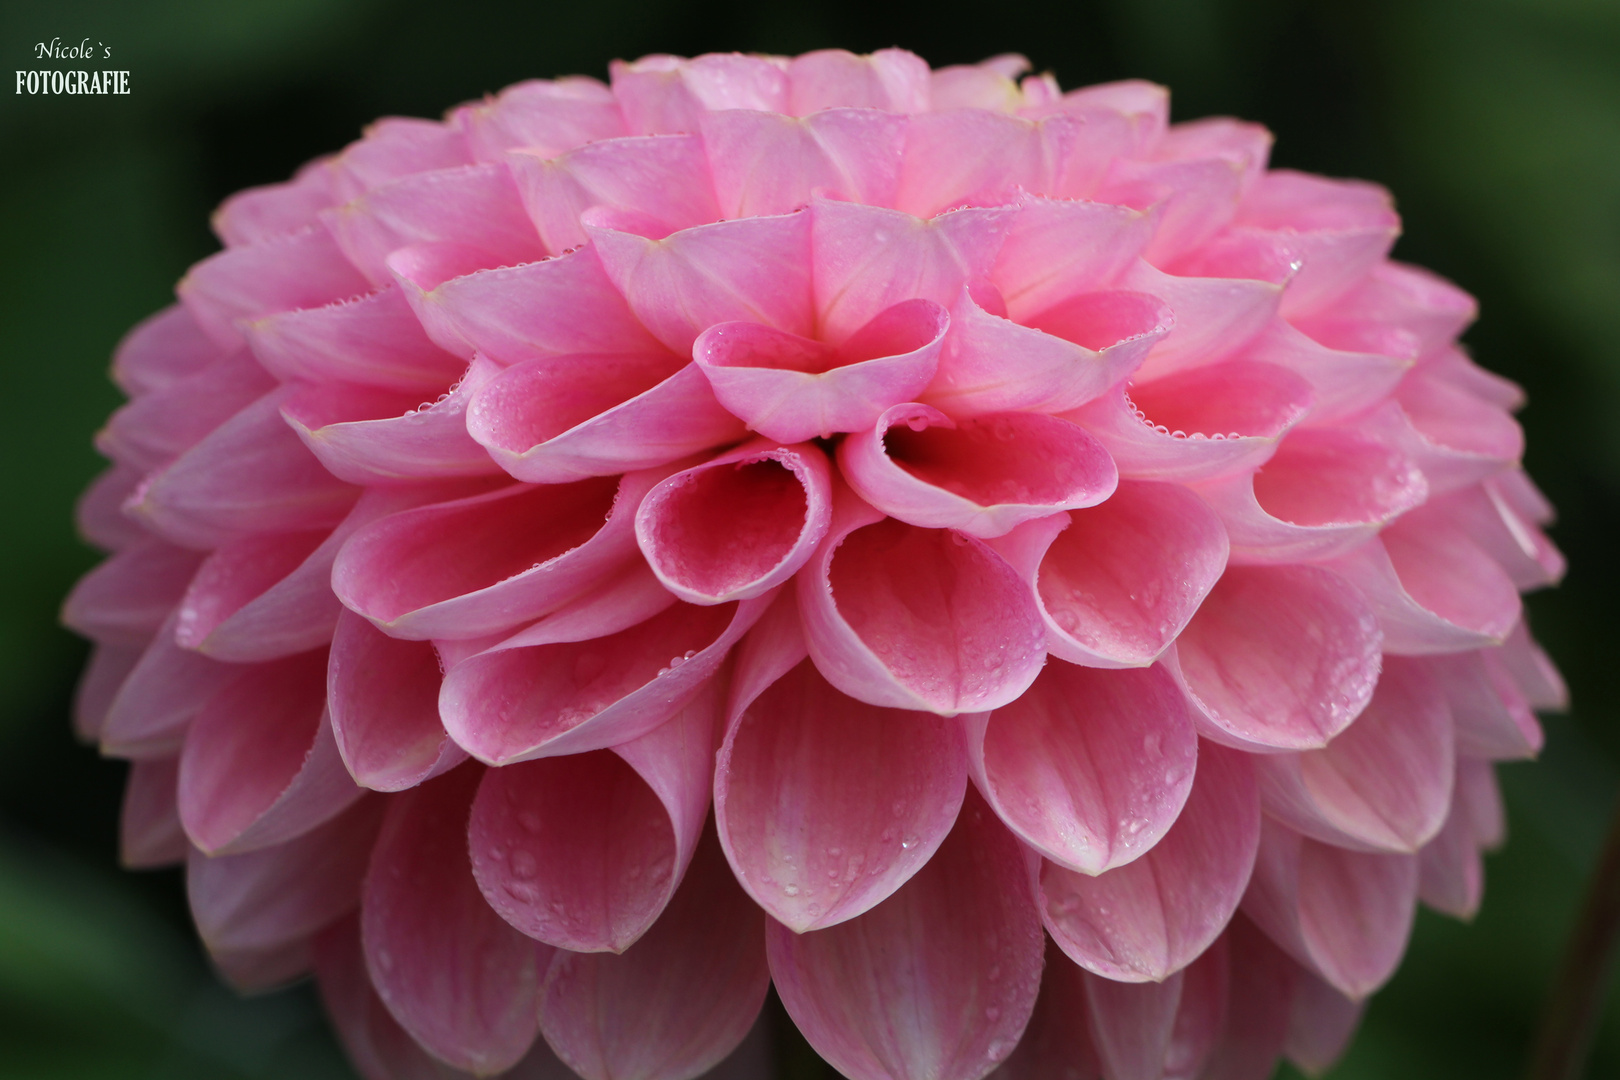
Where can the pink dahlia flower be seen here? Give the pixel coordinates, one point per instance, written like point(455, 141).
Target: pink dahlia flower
point(1033, 584)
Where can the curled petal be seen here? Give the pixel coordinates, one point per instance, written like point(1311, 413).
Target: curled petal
point(125, 599)
point(753, 269)
point(304, 269)
point(149, 830)
point(549, 115)
point(978, 476)
point(160, 425)
point(148, 716)
point(1344, 915)
point(938, 981)
point(1315, 266)
point(1531, 670)
point(162, 349)
point(868, 259)
point(917, 618)
point(1324, 492)
point(395, 147)
point(1215, 317)
point(826, 805)
point(1200, 424)
point(260, 765)
point(373, 341)
point(1492, 718)
point(789, 388)
point(1489, 518)
point(1154, 916)
point(1057, 249)
point(449, 970)
point(1282, 657)
point(676, 1002)
point(1343, 383)
point(233, 576)
point(1456, 438)
point(383, 694)
point(1397, 309)
point(663, 179)
point(893, 80)
point(764, 163)
point(1384, 783)
point(598, 673)
point(739, 525)
point(584, 851)
point(481, 564)
point(661, 94)
point(1088, 767)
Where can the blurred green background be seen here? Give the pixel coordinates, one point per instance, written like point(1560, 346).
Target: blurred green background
point(1496, 123)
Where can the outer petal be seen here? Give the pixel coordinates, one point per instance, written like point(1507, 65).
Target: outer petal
point(679, 1001)
point(1152, 917)
point(99, 512)
point(1100, 579)
point(739, 525)
point(826, 805)
point(890, 79)
point(481, 564)
point(260, 765)
point(108, 667)
point(1088, 767)
point(383, 694)
point(983, 476)
point(1384, 783)
point(1343, 914)
point(304, 269)
point(1493, 720)
point(458, 978)
point(149, 714)
point(162, 349)
point(373, 341)
point(584, 851)
point(1057, 1042)
point(937, 982)
point(606, 669)
point(158, 426)
point(233, 576)
point(552, 115)
point(764, 163)
point(125, 599)
point(1260, 1000)
point(1451, 872)
point(1279, 657)
point(1320, 1025)
point(149, 829)
point(1215, 317)
point(1132, 1024)
point(917, 619)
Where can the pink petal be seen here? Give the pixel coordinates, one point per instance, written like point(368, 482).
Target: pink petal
point(277, 896)
point(1279, 657)
point(1145, 104)
point(1215, 317)
point(450, 971)
point(558, 306)
point(259, 765)
point(103, 676)
point(1451, 872)
point(1392, 302)
point(665, 94)
point(374, 341)
point(1057, 1042)
point(1131, 1024)
point(583, 852)
point(739, 525)
point(1481, 799)
point(1205, 423)
point(790, 389)
point(1384, 783)
point(1315, 267)
point(99, 512)
point(162, 349)
point(1098, 574)
point(1458, 438)
point(917, 618)
point(557, 419)
point(893, 80)
point(383, 694)
point(474, 205)
point(1531, 670)
point(1320, 1025)
point(600, 673)
point(250, 475)
point(1088, 767)
point(1192, 200)
point(1345, 915)
point(754, 269)
point(1433, 588)
point(149, 831)
point(148, 716)
point(367, 435)
point(1260, 999)
point(158, 426)
point(233, 576)
point(664, 178)
point(304, 269)
point(125, 599)
point(1057, 249)
point(921, 467)
point(678, 1001)
point(975, 156)
point(1152, 917)
point(481, 564)
point(825, 805)
point(989, 364)
point(937, 982)
point(552, 115)
point(1492, 718)
point(1324, 492)
point(1342, 383)
point(867, 259)
point(987, 85)
point(764, 163)
point(396, 147)
point(1201, 1018)
point(1486, 516)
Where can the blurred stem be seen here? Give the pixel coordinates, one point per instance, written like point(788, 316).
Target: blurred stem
point(1576, 1001)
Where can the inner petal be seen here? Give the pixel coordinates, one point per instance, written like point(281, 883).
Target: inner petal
point(1011, 458)
point(725, 527)
point(1335, 477)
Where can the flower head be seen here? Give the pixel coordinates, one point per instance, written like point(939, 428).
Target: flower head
point(1032, 583)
